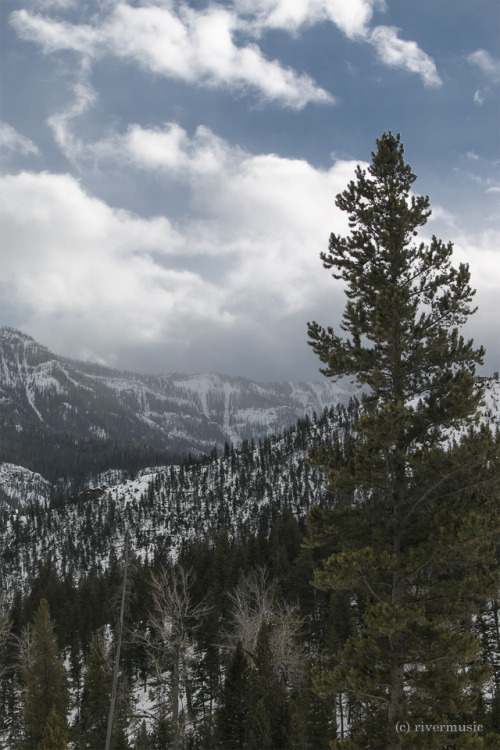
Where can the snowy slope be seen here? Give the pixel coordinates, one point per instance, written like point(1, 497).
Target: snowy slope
point(46, 401)
point(165, 507)
point(20, 487)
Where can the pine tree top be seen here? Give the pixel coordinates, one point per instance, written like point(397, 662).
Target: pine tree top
point(405, 300)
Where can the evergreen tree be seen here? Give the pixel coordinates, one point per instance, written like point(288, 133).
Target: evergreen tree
point(410, 531)
point(119, 740)
point(231, 715)
point(267, 713)
point(45, 679)
point(96, 695)
point(311, 718)
point(54, 735)
point(142, 740)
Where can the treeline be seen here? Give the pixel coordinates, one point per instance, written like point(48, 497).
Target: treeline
point(235, 493)
point(70, 460)
point(224, 650)
point(217, 651)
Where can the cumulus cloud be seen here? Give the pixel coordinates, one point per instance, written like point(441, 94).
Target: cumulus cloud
point(480, 250)
point(73, 261)
point(353, 18)
point(104, 280)
point(228, 183)
point(399, 53)
point(53, 36)
point(231, 284)
point(167, 149)
point(12, 141)
point(199, 47)
point(194, 46)
point(350, 16)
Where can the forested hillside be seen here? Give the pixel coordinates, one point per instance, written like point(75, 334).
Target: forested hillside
point(228, 537)
point(234, 525)
point(164, 509)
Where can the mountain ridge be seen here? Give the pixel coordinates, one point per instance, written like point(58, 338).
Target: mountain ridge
point(68, 420)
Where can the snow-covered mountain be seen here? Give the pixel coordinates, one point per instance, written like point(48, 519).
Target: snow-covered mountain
point(61, 417)
point(163, 509)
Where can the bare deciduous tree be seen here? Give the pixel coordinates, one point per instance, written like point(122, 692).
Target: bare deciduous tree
point(171, 623)
point(256, 600)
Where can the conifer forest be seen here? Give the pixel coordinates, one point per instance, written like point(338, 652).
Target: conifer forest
point(332, 586)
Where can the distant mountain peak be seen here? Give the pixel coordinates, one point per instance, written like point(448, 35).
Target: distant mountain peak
point(61, 417)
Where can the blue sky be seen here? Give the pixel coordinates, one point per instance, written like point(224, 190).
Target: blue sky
point(169, 169)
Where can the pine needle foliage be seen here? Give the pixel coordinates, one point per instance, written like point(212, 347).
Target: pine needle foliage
point(412, 525)
point(45, 680)
point(54, 735)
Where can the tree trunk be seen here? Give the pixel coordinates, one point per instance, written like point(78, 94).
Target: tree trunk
point(395, 705)
point(175, 700)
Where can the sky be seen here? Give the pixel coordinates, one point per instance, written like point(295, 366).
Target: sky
point(169, 169)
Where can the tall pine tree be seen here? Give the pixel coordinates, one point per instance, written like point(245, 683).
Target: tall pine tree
point(267, 710)
point(232, 710)
point(96, 695)
point(45, 681)
point(410, 531)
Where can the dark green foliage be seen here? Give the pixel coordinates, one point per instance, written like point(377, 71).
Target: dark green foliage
point(232, 712)
point(75, 456)
point(45, 680)
point(411, 529)
point(54, 734)
point(96, 695)
point(119, 740)
point(267, 715)
point(312, 722)
point(143, 740)
point(163, 733)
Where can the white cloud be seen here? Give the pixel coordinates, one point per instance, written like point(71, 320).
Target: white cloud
point(440, 214)
point(488, 64)
point(106, 281)
point(12, 141)
point(238, 275)
point(198, 46)
point(54, 36)
point(84, 99)
point(229, 183)
point(193, 46)
point(399, 53)
point(350, 16)
point(53, 4)
point(72, 261)
point(481, 251)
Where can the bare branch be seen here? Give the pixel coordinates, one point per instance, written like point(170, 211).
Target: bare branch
point(256, 600)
